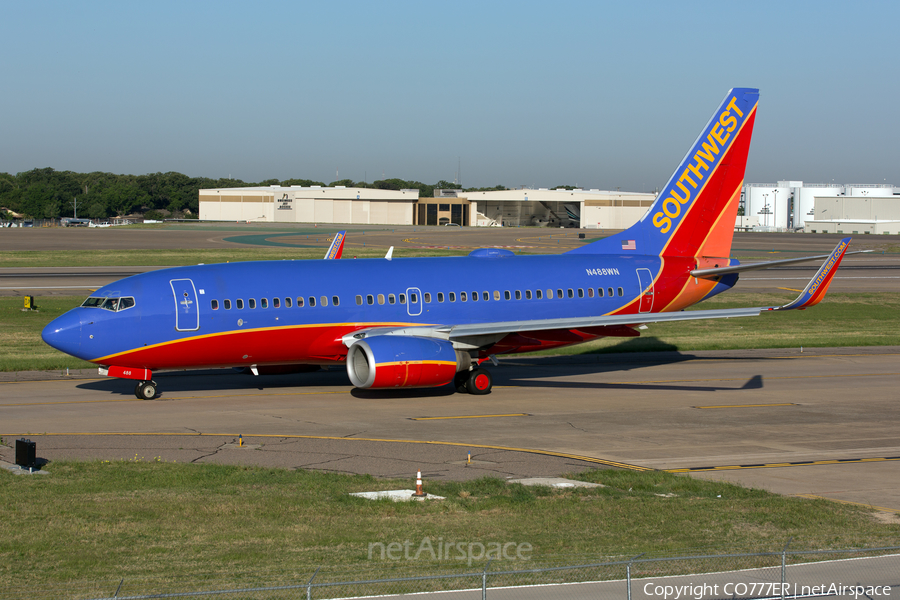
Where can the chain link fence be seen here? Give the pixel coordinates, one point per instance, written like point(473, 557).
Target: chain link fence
point(852, 574)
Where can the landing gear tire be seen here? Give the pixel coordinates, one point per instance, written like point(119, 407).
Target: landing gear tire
point(459, 382)
point(479, 382)
point(145, 390)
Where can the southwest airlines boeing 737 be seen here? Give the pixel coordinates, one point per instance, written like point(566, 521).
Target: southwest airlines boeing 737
point(421, 322)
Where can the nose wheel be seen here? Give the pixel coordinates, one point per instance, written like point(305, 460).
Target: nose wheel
point(145, 390)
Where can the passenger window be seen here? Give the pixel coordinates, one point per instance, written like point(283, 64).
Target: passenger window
point(380, 298)
point(239, 303)
point(559, 293)
point(427, 296)
point(485, 296)
point(312, 301)
point(549, 294)
point(251, 303)
point(370, 299)
point(538, 294)
point(299, 302)
point(358, 300)
point(214, 304)
point(402, 298)
point(518, 294)
point(528, 294)
point(599, 292)
point(391, 298)
point(226, 304)
point(440, 296)
point(413, 298)
point(323, 301)
point(609, 291)
point(621, 292)
point(506, 295)
point(590, 292)
point(335, 301)
point(497, 295)
point(287, 302)
point(571, 293)
point(264, 303)
point(474, 296)
point(452, 296)
point(276, 303)
point(580, 293)
point(462, 297)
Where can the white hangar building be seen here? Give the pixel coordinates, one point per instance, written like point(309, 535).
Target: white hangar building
point(367, 206)
point(822, 207)
point(295, 204)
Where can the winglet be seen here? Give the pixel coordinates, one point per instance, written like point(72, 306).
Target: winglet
point(390, 253)
point(816, 288)
point(337, 246)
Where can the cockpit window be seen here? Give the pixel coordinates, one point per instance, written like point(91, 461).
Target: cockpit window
point(110, 304)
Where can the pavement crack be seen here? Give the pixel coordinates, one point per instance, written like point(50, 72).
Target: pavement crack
point(213, 453)
point(578, 428)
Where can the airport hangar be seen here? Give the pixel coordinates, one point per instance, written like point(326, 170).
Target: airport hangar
point(784, 206)
point(856, 208)
point(589, 209)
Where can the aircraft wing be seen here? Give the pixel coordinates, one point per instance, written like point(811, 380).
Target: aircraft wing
point(337, 246)
point(811, 295)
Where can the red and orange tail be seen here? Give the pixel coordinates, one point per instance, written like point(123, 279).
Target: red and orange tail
point(695, 212)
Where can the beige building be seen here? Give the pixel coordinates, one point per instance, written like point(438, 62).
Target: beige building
point(876, 215)
point(295, 204)
point(592, 209)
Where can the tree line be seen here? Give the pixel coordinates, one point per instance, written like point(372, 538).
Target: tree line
point(50, 194)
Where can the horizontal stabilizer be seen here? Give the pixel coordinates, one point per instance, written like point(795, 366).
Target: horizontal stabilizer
point(711, 273)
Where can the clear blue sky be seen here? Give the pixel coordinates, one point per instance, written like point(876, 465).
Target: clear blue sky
point(522, 93)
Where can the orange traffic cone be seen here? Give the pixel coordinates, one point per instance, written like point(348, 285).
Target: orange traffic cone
point(419, 493)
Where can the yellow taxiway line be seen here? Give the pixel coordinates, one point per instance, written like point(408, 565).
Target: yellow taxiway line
point(801, 463)
point(468, 417)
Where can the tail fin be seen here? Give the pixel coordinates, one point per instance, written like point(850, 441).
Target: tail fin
point(695, 212)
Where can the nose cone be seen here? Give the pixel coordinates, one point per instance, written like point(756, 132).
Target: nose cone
point(64, 333)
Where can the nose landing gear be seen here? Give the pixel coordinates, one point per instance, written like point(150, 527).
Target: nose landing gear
point(145, 390)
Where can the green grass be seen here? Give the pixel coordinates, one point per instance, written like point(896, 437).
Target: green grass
point(167, 524)
point(21, 346)
point(860, 319)
point(173, 257)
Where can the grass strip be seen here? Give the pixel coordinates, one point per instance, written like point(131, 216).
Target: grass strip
point(842, 319)
point(160, 525)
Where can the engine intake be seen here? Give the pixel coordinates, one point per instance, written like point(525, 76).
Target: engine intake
point(390, 361)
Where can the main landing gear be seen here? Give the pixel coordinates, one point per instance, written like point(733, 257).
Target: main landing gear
point(145, 390)
point(477, 382)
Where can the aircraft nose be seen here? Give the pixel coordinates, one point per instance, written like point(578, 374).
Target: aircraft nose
point(64, 333)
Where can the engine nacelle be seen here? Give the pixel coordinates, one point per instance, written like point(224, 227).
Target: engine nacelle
point(389, 361)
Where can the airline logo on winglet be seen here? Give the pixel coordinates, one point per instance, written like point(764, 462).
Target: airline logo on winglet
point(706, 156)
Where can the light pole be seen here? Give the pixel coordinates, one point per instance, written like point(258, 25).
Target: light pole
point(775, 208)
point(766, 208)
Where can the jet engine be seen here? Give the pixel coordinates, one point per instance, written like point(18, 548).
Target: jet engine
point(386, 361)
